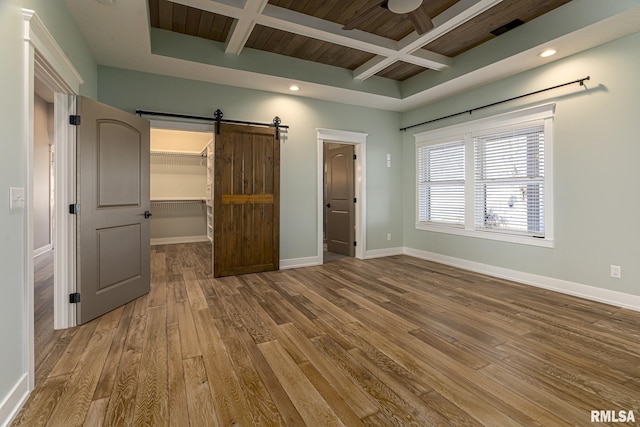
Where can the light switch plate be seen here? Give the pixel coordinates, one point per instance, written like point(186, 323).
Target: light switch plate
point(16, 198)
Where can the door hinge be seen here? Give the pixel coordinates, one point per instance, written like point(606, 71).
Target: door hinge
point(355, 157)
point(74, 120)
point(74, 298)
point(355, 200)
point(74, 209)
point(355, 243)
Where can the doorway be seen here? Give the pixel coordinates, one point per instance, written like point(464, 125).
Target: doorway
point(180, 182)
point(47, 66)
point(339, 202)
point(43, 209)
point(357, 142)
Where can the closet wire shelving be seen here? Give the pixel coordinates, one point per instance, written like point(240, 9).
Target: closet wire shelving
point(184, 203)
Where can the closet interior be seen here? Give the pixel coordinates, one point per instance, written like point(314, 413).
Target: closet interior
point(180, 179)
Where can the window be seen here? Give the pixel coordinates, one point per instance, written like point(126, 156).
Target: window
point(490, 178)
point(509, 181)
point(441, 183)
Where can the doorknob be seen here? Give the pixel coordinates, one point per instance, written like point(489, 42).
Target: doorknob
point(147, 214)
point(328, 205)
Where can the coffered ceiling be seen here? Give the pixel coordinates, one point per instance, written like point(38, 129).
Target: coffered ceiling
point(382, 62)
point(466, 29)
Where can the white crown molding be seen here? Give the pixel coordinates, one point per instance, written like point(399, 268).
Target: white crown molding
point(49, 54)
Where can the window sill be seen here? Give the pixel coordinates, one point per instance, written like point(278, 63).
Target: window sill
point(488, 235)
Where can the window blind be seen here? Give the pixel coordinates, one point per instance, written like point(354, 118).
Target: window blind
point(509, 181)
point(441, 183)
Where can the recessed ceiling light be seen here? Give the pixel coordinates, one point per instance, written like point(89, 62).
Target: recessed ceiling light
point(548, 52)
point(294, 88)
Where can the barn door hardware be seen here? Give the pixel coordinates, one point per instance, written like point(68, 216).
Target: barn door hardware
point(217, 119)
point(276, 123)
point(217, 115)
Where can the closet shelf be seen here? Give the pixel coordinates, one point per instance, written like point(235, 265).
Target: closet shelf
point(165, 153)
point(168, 201)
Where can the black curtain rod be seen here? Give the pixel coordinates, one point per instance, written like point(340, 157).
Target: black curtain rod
point(215, 119)
point(581, 81)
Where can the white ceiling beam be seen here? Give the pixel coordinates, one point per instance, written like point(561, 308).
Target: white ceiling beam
point(230, 8)
point(450, 19)
point(373, 66)
point(243, 26)
point(421, 57)
point(410, 47)
point(320, 29)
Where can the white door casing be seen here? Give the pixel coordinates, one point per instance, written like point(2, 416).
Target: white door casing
point(45, 60)
point(359, 140)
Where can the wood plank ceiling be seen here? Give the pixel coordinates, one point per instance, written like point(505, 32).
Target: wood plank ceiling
point(382, 24)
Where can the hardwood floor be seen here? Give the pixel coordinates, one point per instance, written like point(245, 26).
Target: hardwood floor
point(390, 341)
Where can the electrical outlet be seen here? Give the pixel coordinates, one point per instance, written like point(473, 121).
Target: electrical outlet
point(388, 236)
point(616, 271)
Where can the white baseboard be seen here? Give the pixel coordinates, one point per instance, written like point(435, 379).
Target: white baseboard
point(176, 240)
point(286, 264)
point(41, 251)
point(593, 293)
point(379, 253)
point(14, 400)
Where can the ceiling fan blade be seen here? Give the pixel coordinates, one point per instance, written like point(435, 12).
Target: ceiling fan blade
point(363, 17)
point(421, 20)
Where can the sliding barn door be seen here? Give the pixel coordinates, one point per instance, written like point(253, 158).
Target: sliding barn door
point(246, 200)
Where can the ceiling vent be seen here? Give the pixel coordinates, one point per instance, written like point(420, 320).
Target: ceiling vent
point(507, 27)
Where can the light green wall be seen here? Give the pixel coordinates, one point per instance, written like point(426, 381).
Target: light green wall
point(58, 20)
point(196, 49)
point(12, 242)
point(131, 90)
point(596, 174)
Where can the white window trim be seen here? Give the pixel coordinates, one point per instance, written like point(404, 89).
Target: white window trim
point(465, 130)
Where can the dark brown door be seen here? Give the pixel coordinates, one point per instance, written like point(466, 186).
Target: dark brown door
point(340, 200)
point(246, 200)
point(113, 194)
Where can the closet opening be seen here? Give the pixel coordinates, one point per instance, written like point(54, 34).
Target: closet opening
point(181, 183)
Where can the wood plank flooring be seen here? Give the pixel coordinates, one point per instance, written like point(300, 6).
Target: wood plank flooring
point(386, 342)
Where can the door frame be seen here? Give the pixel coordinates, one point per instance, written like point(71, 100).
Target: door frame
point(45, 60)
point(359, 141)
